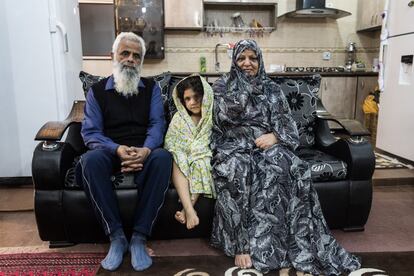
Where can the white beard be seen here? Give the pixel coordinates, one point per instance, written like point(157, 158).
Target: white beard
point(126, 79)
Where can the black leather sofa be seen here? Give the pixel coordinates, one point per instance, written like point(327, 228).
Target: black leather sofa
point(341, 169)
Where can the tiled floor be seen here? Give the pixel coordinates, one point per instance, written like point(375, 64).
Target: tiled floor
point(389, 227)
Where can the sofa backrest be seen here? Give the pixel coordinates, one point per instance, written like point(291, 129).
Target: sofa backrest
point(301, 93)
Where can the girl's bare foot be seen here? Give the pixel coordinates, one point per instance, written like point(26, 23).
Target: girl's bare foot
point(192, 219)
point(243, 261)
point(150, 251)
point(180, 216)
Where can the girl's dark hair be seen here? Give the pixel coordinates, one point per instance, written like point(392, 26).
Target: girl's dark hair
point(190, 82)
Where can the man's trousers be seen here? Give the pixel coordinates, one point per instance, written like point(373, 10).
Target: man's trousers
point(95, 169)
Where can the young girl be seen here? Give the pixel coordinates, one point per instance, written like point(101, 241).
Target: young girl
point(188, 139)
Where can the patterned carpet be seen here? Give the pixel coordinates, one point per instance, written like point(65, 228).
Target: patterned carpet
point(391, 263)
point(383, 161)
point(84, 264)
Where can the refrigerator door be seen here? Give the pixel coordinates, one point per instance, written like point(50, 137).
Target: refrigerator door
point(42, 79)
point(401, 19)
point(67, 53)
point(395, 132)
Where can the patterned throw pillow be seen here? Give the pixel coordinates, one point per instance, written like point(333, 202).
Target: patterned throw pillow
point(88, 80)
point(165, 81)
point(301, 93)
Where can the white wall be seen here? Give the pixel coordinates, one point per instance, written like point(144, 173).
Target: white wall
point(9, 131)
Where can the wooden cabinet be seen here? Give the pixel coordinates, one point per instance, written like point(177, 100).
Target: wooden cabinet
point(183, 14)
point(365, 85)
point(338, 97)
point(369, 15)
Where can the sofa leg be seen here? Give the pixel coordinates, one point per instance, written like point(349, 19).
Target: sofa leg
point(59, 244)
point(353, 229)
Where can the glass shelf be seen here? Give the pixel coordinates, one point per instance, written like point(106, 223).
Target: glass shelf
point(145, 18)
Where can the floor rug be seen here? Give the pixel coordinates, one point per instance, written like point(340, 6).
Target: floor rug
point(389, 263)
point(383, 161)
point(72, 264)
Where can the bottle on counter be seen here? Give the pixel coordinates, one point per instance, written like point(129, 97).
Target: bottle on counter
point(203, 65)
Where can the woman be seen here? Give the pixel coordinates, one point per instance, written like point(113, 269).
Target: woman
point(188, 139)
point(267, 212)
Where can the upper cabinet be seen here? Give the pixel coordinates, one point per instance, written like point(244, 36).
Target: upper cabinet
point(370, 14)
point(183, 14)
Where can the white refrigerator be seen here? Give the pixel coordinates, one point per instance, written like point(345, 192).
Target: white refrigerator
point(41, 56)
point(395, 133)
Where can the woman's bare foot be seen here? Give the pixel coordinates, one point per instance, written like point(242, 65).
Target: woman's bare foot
point(180, 216)
point(192, 218)
point(243, 261)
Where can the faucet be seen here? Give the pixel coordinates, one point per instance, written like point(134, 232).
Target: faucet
point(217, 63)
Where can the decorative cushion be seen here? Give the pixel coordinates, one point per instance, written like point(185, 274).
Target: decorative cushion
point(301, 93)
point(88, 80)
point(324, 167)
point(165, 81)
point(119, 180)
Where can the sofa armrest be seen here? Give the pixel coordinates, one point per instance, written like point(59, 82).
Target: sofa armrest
point(53, 131)
point(50, 165)
point(357, 154)
point(352, 127)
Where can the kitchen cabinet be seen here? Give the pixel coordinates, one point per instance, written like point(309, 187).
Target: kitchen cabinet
point(145, 18)
point(369, 16)
point(366, 84)
point(183, 14)
point(338, 96)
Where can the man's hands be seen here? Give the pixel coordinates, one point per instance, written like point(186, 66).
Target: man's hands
point(132, 158)
point(266, 141)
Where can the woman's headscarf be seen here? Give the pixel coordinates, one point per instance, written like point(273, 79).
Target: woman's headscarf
point(237, 85)
point(234, 91)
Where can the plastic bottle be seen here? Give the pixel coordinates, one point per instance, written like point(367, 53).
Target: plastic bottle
point(203, 65)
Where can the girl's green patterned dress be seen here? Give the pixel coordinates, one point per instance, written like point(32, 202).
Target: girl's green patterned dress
point(189, 143)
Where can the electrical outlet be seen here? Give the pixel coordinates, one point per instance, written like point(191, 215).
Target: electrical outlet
point(326, 55)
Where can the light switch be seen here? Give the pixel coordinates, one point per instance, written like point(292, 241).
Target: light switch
point(326, 55)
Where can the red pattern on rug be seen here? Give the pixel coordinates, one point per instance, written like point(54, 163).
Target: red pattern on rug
point(73, 264)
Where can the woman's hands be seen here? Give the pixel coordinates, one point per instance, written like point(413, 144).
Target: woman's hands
point(132, 158)
point(265, 141)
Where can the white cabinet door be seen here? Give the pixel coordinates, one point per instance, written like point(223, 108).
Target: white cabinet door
point(401, 17)
point(183, 14)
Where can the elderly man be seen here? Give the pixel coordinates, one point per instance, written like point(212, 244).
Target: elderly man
point(123, 129)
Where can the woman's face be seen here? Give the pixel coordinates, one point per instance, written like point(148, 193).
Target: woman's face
point(192, 101)
point(248, 62)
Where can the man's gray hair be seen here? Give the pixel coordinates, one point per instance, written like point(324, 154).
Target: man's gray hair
point(131, 37)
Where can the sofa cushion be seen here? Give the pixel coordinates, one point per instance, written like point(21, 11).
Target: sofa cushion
point(119, 180)
point(324, 167)
point(301, 93)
